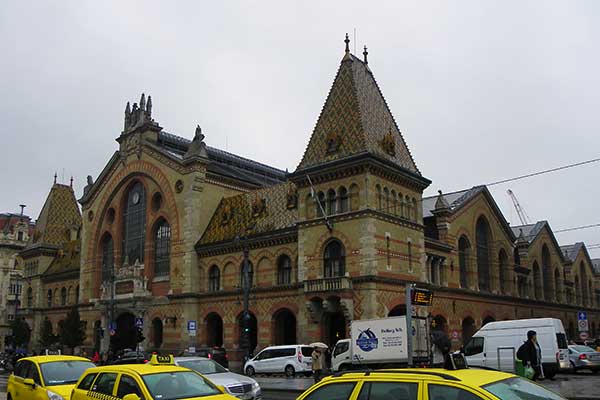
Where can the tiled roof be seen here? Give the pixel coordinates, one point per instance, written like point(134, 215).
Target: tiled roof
point(59, 215)
point(454, 199)
point(67, 259)
point(530, 231)
point(235, 214)
point(225, 163)
point(356, 119)
point(570, 251)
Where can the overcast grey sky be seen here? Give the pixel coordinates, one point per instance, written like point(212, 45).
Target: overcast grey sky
point(481, 90)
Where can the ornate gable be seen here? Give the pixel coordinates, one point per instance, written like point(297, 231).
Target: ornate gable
point(356, 119)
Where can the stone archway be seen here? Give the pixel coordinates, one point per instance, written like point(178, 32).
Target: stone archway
point(468, 329)
point(333, 327)
point(125, 334)
point(398, 311)
point(214, 330)
point(284, 327)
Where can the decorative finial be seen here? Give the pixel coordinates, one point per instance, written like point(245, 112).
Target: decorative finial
point(71, 184)
point(347, 41)
point(55, 176)
point(149, 105)
point(198, 134)
point(143, 102)
point(22, 208)
point(127, 109)
point(365, 53)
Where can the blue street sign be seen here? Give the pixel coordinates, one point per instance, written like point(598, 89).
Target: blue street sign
point(582, 315)
point(139, 322)
point(191, 325)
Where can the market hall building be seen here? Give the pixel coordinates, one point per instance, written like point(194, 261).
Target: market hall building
point(167, 219)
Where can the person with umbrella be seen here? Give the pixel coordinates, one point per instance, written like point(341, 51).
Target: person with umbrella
point(318, 360)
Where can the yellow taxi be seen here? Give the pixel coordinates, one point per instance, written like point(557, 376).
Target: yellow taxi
point(45, 377)
point(159, 379)
point(427, 384)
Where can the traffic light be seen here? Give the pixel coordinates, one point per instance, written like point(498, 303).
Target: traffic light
point(139, 336)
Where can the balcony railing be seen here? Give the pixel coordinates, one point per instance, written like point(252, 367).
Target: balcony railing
point(327, 284)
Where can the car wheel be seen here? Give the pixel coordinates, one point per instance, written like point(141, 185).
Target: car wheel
point(289, 371)
point(250, 371)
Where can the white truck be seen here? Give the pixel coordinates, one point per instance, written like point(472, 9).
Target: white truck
point(380, 343)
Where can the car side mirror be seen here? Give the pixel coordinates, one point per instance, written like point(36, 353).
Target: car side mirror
point(131, 396)
point(220, 387)
point(29, 382)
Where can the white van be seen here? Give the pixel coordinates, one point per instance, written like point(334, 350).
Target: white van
point(289, 359)
point(496, 344)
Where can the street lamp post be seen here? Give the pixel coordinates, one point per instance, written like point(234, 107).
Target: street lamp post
point(246, 283)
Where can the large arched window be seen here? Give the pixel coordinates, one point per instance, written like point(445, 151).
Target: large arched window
point(214, 279)
point(250, 275)
point(559, 287)
point(483, 241)
point(63, 296)
point(537, 281)
point(503, 274)
point(394, 201)
point(108, 258)
point(547, 274)
point(464, 255)
point(284, 270)
point(334, 259)
point(134, 226)
point(343, 200)
point(386, 199)
point(29, 297)
point(162, 248)
point(577, 291)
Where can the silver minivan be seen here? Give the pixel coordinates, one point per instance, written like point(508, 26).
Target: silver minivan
point(288, 359)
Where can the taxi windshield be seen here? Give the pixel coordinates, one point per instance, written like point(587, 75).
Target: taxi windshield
point(520, 389)
point(63, 372)
point(205, 367)
point(178, 385)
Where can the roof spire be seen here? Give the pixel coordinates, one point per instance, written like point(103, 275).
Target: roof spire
point(149, 105)
point(71, 184)
point(347, 41)
point(365, 53)
point(55, 176)
point(143, 102)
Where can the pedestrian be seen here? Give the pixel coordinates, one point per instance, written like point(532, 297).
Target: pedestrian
point(96, 358)
point(440, 347)
point(317, 364)
point(530, 353)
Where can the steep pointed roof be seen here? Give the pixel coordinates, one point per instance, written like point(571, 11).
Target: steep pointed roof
point(59, 215)
point(356, 119)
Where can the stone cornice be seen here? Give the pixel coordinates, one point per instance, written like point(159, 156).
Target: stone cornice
point(282, 236)
point(237, 292)
point(368, 212)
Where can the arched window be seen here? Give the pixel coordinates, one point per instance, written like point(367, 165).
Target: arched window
point(577, 291)
point(157, 332)
point(49, 298)
point(69, 292)
point(386, 198)
point(250, 275)
point(284, 270)
point(63, 296)
point(108, 258)
point(483, 241)
point(162, 248)
point(503, 274)
point(517, 256)
point(134, 227)
point(464, 254)
point(334, 259)
point(29, 297)
point(379, 197)
point(55, 297)
point(343, 200)
point(331, 202)
point(547, 274)
point(354, 197)
point(214, 279)
point(320, 204)
point(407, 208)
point(394, 201)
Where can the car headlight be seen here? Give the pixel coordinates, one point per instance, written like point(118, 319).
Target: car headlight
point(54, 396)
point(255, 386)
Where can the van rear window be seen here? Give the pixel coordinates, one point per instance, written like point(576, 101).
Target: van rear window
point(307, 351)
point(561, 338)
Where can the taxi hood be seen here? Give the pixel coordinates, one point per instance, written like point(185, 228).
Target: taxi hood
point(63, 390)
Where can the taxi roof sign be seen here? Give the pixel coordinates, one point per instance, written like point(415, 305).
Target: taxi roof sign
point(162, 359)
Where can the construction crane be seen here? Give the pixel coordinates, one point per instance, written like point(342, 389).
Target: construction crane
point(520, 212)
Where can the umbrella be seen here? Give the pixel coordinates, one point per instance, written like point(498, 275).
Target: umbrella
point(319, 344)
